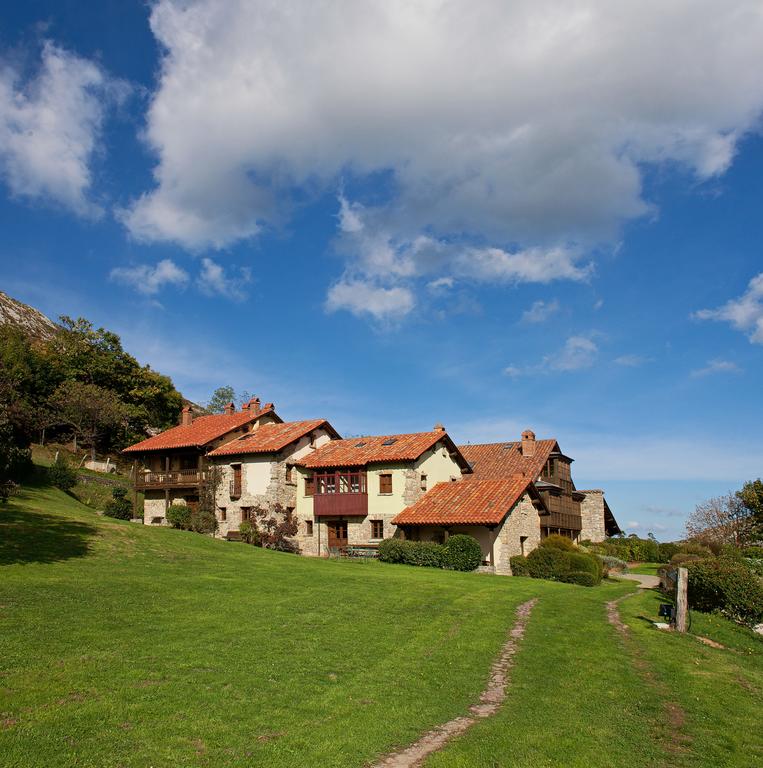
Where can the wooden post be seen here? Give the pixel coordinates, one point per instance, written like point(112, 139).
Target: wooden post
point(681, 599)
point(135, 488)
point(166, 480)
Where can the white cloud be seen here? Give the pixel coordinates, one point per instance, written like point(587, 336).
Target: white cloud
point(540, 311)
point(536, 121)
point(441, 285)
point(364, 298)
point(50, 127)
point(578, 353)
point(632, 361)
point(150, 280)
point(513, 371)
point(213, 280)
point(716, 366)
point(744, 313)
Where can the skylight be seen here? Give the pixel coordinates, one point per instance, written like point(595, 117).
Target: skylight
point(391, 441)
point(360, 444)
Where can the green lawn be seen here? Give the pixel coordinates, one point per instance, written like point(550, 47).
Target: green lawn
point(124, 645)
point(648, 569)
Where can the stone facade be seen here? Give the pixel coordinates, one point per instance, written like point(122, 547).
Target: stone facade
point(592, 512)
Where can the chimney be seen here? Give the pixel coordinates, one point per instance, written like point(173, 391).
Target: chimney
point(439, 427)
point(254, 405)
point(229, 409)
point(267, 406)
point(186, 416)
point(528, 443)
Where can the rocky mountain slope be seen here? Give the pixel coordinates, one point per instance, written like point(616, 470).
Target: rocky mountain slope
point(29, 319)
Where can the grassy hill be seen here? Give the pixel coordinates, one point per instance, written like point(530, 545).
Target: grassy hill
point(124, 645)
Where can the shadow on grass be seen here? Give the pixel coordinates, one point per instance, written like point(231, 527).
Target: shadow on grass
point(33, 536)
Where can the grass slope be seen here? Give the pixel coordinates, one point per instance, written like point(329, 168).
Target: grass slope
point(124, 645)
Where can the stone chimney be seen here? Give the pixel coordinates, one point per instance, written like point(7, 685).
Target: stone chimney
point(439, 427)
point(230, 409)
point(253, 406)
point(528, 443)
point(186, 416)
point(267, 406)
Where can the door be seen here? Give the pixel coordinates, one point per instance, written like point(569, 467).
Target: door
point(337, 530)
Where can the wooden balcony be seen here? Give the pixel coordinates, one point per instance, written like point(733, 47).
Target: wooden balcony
point(562, 520)
point(340, 494)
point(174, 478)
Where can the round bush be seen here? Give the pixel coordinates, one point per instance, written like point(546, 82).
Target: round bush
point(583, 578)
point(202, 522)
point(393, 550)
point(120, 492)
point(666, 551)
point(558, 542)
point(424, 553)
point(720, 584)
point(580, 561)
point(518, 565)
point(179, 516)
point(547, 563)
point(62, 475)
point(248, 532)
point(462, 553)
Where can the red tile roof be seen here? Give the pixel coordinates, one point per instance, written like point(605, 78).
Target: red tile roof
point(271, 438)
point(359, 451)
point(496, 461)
point(203, 430)
point(466, 502)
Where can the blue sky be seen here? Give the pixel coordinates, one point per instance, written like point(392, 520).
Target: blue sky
point(411, 214)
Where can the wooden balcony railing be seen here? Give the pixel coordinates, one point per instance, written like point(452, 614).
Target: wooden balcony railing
point(174, 478)
point(340, 494)
point(562, 520)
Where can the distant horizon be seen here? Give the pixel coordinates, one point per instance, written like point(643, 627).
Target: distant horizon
point(445, 219)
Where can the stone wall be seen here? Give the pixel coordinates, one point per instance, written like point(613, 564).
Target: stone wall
point(522, 521)
point(592, 512)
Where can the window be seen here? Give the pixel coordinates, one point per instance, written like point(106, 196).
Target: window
point(246, 513)
point(289, 473)
point(308, 527)
point(235, 484)
point(423, 481)
point(385, 483)
point(390, 441)
point(522, 540)
point(223, 512)
point(309, 485)
point(377, 529)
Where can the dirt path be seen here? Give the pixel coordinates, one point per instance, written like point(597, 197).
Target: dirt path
point(490, 700)
point(645, 580)
point(670, 730)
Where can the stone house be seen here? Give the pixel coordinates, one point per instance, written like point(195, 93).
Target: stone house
point(349, 491)
point(170, 468)
point(257, 468)
point(598, 520)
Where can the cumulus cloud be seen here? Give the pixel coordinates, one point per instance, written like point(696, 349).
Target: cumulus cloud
point(744, 313)
point(513, 135)
point(50, 127)
point(371, 300)
point(214, 280)
point(716, 366)
point(579, 352)
point(148, 279)
point(540, 311)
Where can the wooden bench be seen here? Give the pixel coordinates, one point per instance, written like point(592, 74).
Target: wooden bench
point(362, 550)
point(234, 536)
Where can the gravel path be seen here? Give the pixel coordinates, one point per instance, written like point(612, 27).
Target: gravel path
point(645, 580)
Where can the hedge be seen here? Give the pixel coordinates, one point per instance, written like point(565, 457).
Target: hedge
point(723, 585)
point(462, 553)
point(558, 541)
point(583, 578)
point(459, 553)
point(518, 565)
point(557, 565)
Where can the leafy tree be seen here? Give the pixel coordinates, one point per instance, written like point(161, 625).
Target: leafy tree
point(721, 520)
point(275, 527)
point(220, 398)
point(89, 410)
point(751, 497)
point(14, 460)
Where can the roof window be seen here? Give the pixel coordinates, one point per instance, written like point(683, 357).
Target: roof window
point(391, 441)
point(360, 444)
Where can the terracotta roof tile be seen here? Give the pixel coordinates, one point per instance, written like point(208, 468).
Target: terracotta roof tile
point(465, 502)
point(359, 451)
point(270, 438)
point(203, 430)
point(496, 461)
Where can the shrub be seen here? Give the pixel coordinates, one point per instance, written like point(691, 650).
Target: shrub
point(611, 563)
point(62, 475)
point(583, 578)
point(694, 548)
point(179, 516)
point(665, 551)
point(558, 542)
point(755, 553)
point(424, 553)
point(202, 521)
point(720, 584)
point(248, 532)
point(518, 565)
point(393, 550)
point(118, 506)
point(462, 553)
point(547, 563)
point(683, 557)
point(580, 561)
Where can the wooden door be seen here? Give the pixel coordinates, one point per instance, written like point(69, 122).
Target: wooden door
point(337, 530)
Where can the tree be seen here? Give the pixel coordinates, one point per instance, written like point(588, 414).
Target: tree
point(751, 497)
point(275, 527)
point(721, 520)
point(89, 410)
point(224, 395)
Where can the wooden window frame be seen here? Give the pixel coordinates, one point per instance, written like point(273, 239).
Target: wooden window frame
point(289, 473)
point(385, 479)
point(246, 514)
point(223, 514)
point(310, 485)
point(377, 529)
point(308, 527)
